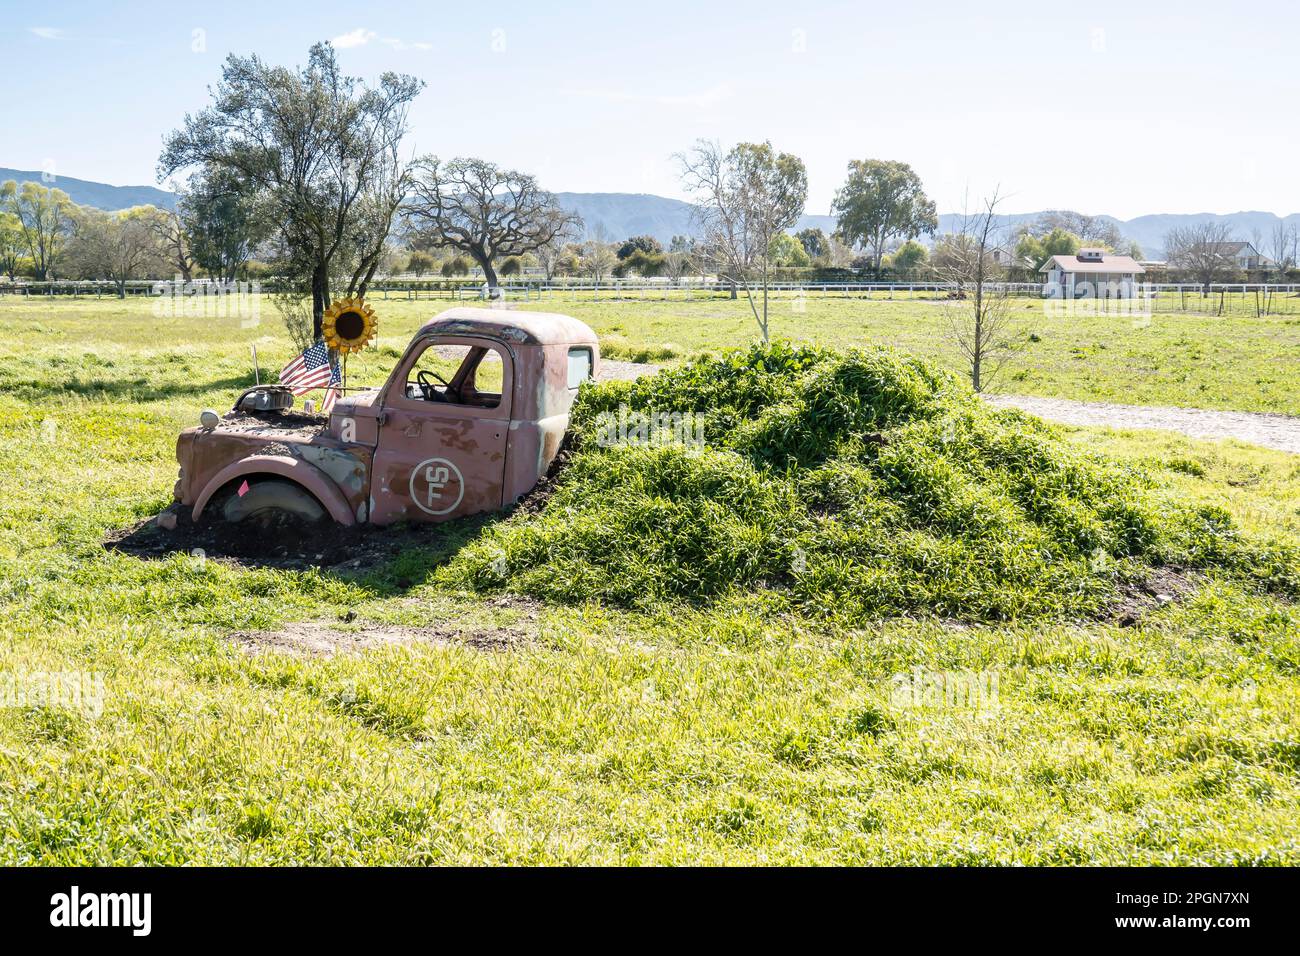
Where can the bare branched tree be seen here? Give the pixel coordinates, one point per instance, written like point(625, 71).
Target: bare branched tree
point(1281, 246)
point(550, 253)
point(169, 229)
point(598, 256)
point(980, 315)
point(745, 197)
point(485, 211)
point(119, 246)
point(1091, 230)
point(1204, 251)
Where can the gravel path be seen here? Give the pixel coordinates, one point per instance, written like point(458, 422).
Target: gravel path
point(612, 369)
point(1259, 428)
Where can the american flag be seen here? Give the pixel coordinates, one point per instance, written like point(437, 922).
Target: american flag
point(310, 370)
point(332, 393)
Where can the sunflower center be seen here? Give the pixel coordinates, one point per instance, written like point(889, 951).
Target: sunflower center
point(350, 325)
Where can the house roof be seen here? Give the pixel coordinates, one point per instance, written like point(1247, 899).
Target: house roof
point(1227, 248)
point(1106, 263)
point(524, 328)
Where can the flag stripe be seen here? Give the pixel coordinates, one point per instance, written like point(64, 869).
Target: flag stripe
point(309, 371)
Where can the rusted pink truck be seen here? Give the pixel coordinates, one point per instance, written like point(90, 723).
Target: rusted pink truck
point(468, 421)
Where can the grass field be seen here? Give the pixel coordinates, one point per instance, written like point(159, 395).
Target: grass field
point(593, 735)
point(1201, 361)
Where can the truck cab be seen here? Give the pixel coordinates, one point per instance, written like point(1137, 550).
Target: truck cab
point(468, 421)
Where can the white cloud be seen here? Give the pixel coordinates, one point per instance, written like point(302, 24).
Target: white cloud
point(361, 36)
point(47, 33)
point(358, 37)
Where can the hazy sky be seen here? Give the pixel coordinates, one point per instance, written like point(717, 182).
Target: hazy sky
point(1121, 108)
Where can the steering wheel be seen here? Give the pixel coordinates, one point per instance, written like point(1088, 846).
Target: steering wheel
point(427, 389)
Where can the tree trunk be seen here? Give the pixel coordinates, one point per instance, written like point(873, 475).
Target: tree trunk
point(765, 337)
point(320, 293)
point(485, 263)
point(121, 288)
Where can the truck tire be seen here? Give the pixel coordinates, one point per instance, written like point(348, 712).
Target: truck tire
point(273, 502)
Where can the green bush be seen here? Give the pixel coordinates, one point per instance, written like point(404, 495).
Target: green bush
point(850, 486)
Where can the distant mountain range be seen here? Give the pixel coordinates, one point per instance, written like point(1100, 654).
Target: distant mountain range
point(86, 193)
point(634, 214)
point(620, 215)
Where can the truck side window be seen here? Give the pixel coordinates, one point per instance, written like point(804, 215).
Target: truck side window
point(457, 375)
point(579, 366)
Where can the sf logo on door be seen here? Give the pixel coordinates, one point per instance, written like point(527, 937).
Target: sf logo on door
point(437, 486)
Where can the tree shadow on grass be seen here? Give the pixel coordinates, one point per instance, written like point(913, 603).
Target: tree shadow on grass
point(135, 388)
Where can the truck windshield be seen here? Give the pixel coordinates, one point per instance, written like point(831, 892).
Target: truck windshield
point(457, 375)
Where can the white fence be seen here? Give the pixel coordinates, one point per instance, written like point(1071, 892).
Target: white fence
point(464, 290)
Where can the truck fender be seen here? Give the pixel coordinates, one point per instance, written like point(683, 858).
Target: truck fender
point(295, 469)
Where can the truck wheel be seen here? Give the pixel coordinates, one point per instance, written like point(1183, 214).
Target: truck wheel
point(271, 503)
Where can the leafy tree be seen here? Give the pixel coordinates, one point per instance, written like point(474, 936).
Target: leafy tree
point(570, 260)
point(321, 151)
point(909, 257)
point(484, 211)
point(786, 250)
point(647, 244)
point(745, 197)
point(44, 219)
point(455, 266)
point(12, 245)
point(815, 242)
point(882, 200)
point(223, 220)
point(644, 262)
point(511, 267)
point(1058, 242)
point(419, 263)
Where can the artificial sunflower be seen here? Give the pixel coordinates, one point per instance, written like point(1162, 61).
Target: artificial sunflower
point(348, 325)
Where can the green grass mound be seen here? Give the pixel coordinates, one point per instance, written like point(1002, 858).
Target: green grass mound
point(848, 486)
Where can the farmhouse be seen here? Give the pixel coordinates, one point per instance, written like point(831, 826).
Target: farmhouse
point(1091, 273)
point(1244, 255)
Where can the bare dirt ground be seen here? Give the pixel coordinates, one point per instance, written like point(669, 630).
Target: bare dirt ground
point(318, 639)
point(1259, 428)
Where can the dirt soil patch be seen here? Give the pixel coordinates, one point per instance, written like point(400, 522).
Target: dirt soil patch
point(318, 639)
point(1162, 586)
point(293, 547)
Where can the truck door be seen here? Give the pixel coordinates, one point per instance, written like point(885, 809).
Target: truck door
point(443, 432)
